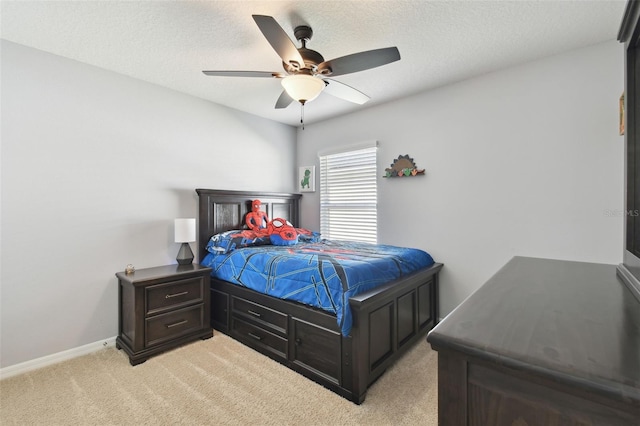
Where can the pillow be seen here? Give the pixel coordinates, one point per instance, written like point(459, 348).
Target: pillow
point(228, 241)
point(282, 233)
point(306, 236)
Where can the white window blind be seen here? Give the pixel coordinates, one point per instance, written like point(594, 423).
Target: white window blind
point(349, 196)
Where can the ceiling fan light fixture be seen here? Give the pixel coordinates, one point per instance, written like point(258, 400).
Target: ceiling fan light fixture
point(303, 87)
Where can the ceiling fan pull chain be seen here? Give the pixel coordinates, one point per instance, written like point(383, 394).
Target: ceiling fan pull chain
point(302, 114)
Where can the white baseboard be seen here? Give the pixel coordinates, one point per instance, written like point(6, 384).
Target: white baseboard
point(34, 364)
point(629, 280)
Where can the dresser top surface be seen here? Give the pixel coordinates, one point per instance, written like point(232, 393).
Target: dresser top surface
point(573, 321)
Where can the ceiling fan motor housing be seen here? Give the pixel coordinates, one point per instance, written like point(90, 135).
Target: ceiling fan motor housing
point(303, 33)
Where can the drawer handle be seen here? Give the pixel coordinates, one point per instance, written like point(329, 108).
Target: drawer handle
point(254, 313)
point(175, 324)
point(298, 341)
point(169, 296)
point(255, 336)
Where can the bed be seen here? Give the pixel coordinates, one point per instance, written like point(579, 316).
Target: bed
point(385, 320)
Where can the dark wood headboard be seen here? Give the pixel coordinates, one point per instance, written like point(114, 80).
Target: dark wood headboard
point(223, 210)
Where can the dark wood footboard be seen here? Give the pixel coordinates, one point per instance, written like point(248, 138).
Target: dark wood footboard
point(389, 320)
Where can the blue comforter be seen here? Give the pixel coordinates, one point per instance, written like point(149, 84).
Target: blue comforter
point(324, 274)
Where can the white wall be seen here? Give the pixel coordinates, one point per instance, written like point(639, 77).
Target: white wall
point(524, 161)
point(95, 167)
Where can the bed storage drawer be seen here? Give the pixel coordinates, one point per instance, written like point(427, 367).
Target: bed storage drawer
point(265, 317)
point(259, 338)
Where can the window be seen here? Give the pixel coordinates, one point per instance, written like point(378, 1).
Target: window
point(348, 195)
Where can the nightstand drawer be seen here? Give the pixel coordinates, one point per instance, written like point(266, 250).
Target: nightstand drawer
point(174, 324)
point(263, 315)
point(174, 294)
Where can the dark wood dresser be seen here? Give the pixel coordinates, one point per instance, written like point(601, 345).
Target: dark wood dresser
point(161, 308)
point(543, 342)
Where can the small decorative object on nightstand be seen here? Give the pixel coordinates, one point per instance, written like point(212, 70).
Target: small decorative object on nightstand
point(161, 308)
point(185, 233)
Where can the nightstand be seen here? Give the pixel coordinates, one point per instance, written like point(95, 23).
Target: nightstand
point(161, 308)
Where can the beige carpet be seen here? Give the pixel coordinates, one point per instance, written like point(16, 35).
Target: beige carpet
point(218, 382)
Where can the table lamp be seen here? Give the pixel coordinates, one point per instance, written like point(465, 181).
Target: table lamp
point(185, 232)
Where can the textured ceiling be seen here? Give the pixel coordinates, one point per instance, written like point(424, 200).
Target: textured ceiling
point(169, 43)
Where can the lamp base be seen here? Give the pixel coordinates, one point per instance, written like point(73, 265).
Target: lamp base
point(185, 255)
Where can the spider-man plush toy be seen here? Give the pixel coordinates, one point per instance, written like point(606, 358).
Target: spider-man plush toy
point(257, 219)
point(282, 233)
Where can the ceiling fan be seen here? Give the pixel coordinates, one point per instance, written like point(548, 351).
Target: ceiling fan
point(306, 72)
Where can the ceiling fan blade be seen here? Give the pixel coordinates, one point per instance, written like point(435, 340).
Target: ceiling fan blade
point(284, 100)
point(342, 91)
point(245, 74)
point(279, 40)
point(359, 61)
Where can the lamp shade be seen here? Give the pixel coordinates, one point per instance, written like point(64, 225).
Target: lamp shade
point(302, 87)
point(185, 230)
